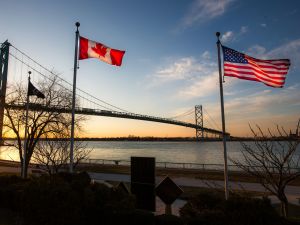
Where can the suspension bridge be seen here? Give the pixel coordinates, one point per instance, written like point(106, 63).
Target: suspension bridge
point(14, 62)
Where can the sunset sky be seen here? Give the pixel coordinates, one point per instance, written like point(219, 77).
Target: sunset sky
point(170, 64)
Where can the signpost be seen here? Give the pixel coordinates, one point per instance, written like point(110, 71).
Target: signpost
point(168, 192)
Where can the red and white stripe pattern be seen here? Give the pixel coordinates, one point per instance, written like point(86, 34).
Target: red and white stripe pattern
point(269, 72)
point(92, 49)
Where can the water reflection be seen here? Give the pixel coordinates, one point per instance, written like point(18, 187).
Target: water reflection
point(175, 152)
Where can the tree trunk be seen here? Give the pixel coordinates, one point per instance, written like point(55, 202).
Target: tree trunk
point(284, 205)
point(26, 169)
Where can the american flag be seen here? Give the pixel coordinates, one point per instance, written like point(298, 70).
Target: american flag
point(270, 72)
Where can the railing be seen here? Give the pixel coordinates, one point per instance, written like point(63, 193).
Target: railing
point(175, 165)
point(166, 165)
point(169, 165)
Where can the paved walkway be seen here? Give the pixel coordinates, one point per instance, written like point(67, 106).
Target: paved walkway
point(292, 192)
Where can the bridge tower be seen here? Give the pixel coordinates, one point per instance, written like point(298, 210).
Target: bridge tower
point(199, 122)
point(4, 54)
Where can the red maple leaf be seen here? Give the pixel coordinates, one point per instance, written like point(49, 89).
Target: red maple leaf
point(100, 49)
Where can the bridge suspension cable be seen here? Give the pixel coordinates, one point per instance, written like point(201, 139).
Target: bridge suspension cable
point(213, 121)
point(108, 107)
point(82, 97)
point(187, 113)
point(210, 121)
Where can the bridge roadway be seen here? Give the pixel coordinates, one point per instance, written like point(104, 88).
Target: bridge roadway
point(98, 112)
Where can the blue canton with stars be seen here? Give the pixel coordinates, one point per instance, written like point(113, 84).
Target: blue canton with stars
point(233, 56)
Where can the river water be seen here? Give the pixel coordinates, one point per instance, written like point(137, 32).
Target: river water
point(172, 152)
point(175, 152)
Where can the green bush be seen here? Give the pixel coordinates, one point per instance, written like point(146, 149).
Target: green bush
point(50, 202)
point(243, 210)
point(10, 179)
point(208, 217)
point(210, 208)
point(109, 204)
point(78, 181)
point(204, 201)
point(168, 220)
point(130, 217)
point(67, 199)
point(11, 188)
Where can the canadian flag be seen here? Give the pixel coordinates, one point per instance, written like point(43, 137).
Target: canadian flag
point(92, 49)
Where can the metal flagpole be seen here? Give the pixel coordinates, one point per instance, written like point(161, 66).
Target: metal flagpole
point(223, 119)
point(74, 97)
point(26, 129)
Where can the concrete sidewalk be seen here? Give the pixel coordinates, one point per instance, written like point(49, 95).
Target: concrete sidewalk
point(292, 192)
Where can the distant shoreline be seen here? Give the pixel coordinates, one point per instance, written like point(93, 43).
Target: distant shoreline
point(165, 139)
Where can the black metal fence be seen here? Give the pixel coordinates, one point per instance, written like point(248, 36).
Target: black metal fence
point(177, 165)
point(174, 165)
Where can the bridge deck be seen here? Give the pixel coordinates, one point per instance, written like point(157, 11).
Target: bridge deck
point(98, 112)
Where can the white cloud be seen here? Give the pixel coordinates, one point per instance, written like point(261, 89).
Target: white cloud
point(264, 103)
point(263, 25)
point(201, 87)
point(230, 36)
point(290, 50)
point(181, 69)
point(203, 10)
point(227, 36)
point(244, 29)
point(184, 69)
point(229, 93)
point(256, 51)
point(265, 108)
point(293, 87)
point(267, 91)
point(189, 77)
point(204, 86)
point(192, 77)
point(206, 55)
point(199, 76)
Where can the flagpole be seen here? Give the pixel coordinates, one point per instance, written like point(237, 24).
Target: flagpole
point(26, 129)
point(223, 119)
point(74, 98)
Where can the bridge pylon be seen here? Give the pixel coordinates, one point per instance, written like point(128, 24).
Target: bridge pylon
point(199, 122)
point(4, 54)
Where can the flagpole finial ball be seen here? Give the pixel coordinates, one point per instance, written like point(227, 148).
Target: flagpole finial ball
point(218, 34)
point(77, 24)
point(29, 72)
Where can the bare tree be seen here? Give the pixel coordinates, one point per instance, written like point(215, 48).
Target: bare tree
point(42, 121)
point(273, 160)
point(53, 154)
